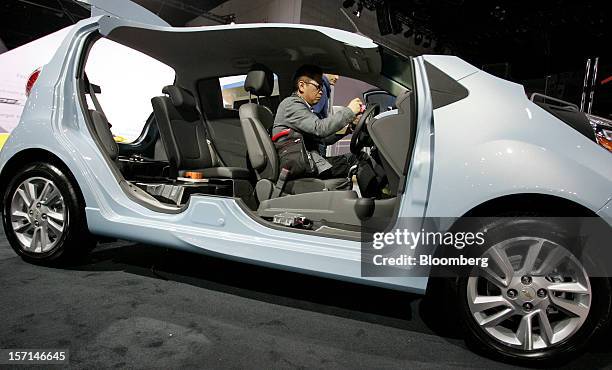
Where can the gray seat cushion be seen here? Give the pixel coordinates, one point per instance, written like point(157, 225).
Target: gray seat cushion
point(310, 185)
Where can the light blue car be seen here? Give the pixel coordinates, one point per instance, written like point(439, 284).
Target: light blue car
point(446, 140)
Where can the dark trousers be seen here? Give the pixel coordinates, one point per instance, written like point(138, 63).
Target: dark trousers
point(340, 166)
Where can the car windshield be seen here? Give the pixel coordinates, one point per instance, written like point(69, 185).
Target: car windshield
point(396, 67)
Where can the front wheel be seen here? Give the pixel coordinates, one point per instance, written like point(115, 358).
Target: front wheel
point(43, 216)
point(534, 301)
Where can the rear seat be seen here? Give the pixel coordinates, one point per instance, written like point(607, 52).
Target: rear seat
point(183, 135)
point(224, 128)
point(104, 134)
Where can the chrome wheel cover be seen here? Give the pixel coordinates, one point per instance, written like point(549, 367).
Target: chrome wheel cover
point(38, 215)
point(533, 295)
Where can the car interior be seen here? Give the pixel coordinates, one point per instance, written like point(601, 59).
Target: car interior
point(193, 144)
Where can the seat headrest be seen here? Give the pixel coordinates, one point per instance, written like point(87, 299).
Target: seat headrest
point(259, 81)
point(180, 97)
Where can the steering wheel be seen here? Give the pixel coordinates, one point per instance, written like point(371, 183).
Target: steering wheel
point(360, 135)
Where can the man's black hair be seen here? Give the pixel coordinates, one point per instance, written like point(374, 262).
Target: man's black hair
point(309, 70)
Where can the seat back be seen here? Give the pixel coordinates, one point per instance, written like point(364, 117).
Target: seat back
point(389, 133)
point(257, 121)
point(222, 124)
point(104, 134)
point(181, 130)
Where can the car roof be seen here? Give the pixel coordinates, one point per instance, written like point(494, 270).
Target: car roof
point(124, 9)
point(200, 52)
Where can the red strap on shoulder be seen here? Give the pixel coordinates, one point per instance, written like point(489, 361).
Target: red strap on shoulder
point(281, 134)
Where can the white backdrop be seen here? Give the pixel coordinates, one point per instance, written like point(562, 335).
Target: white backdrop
point(129, 79)
point(15, 67)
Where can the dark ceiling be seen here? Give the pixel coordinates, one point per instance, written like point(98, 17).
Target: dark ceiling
point(25, 21)
point(543, 45)
point(22, 21)
point(536, 37)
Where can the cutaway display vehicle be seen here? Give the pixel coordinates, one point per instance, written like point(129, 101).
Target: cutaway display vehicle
point(454, 141)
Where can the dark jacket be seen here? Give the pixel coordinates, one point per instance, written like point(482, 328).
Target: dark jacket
point(294, 112)
point(321, 109)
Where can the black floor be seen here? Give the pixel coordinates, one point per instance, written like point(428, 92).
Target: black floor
point(138, 306)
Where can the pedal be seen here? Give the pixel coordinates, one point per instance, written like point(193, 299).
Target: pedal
point(295, 220)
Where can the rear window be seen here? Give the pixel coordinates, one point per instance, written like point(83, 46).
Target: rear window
point(128, 80)
point(234, 94)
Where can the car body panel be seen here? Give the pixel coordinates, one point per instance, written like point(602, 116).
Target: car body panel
point(606, 212)
point(416, 192)
point(454, 67)
point(496, 142)
point(125, 10)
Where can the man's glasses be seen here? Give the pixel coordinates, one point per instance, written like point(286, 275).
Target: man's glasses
point(316, 85)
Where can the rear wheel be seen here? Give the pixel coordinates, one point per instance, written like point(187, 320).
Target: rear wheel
point(535, 300)
point(43, 216)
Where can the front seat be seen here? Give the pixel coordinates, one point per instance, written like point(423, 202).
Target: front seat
point(184, 137)
point(257, 121)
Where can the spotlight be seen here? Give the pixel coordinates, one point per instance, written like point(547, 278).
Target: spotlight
point(418, 38)
point(357, 12)
point(348, 3)
point(409, 32)
point(499, 13)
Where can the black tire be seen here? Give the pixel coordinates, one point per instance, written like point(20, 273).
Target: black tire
point(75, 241)
point(597, 319)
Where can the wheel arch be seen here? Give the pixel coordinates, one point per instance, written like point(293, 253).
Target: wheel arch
point(543, 205)
point(527, 203)
point(32, 155)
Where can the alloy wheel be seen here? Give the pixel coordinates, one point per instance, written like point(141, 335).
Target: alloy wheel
point(38, 215)
point(534, 294)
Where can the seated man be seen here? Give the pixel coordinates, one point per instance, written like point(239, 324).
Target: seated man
point(296, 112)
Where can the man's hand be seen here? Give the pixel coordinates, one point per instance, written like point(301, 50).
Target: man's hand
point(355, 105)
